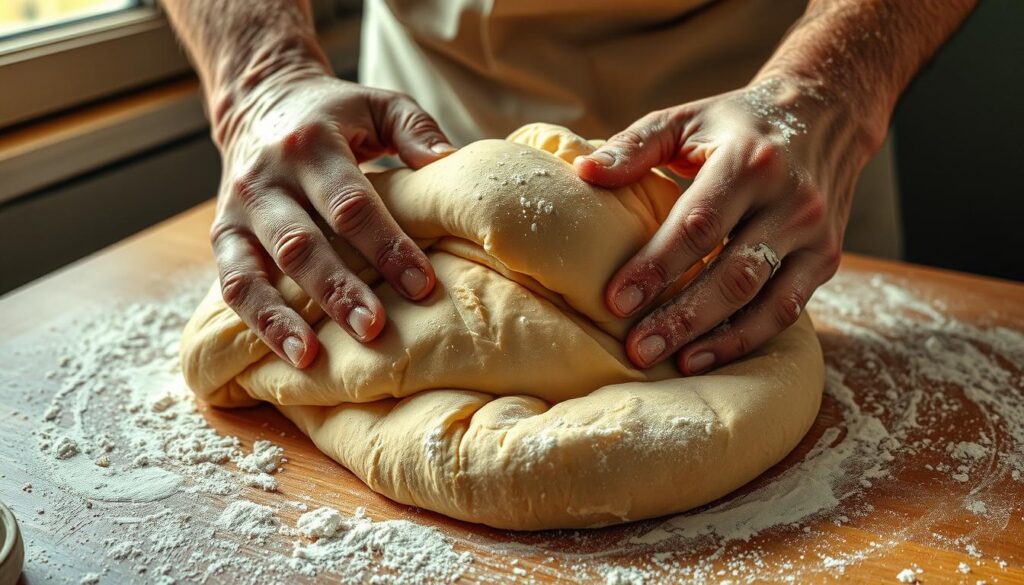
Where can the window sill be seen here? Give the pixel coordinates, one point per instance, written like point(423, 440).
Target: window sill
point(97, 57)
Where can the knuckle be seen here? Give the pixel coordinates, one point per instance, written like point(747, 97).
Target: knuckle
point(740, 344)
point(247, 187)
point(766, 157)
point(404, 115)
point(268, 320)
point(302, 138)
point(701, 231)
point(340, 294)
point(677, 323)
point(739, 282)
point(391, 253)
point(681, 326)
point(418, 122)
point(653, 270)
point(221, 231)
point(235, 287)
point(293, 247)
point(421, 124)
point(787, 310)
point(811, 207)
point(351, 211)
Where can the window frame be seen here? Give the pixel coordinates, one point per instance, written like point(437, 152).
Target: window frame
point(45, 151)
point(97, 56)
point(102, 56)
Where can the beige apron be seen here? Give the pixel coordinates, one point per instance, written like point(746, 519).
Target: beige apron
point(486, 67)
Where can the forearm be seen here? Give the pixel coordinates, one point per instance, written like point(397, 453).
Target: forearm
point(863, 54)
point(237, 44)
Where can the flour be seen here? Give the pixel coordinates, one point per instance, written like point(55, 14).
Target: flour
point(66, 448)
point(432, 444)
point(123, 430)
point(124, 411)
point(265, 458)
point(967, 450)
point(189, 504)
point(323, 522)
point(976, 507)
point(624, 576)
point(762, 100)
point(907, 576)
point(253, 521)
point(392, 552)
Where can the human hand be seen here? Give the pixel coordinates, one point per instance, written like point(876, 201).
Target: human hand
point(773, 168)
point(291, 147)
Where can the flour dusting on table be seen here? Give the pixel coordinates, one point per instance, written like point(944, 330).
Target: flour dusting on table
point(130, 448)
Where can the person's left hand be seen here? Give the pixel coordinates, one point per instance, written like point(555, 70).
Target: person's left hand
point(773, 168)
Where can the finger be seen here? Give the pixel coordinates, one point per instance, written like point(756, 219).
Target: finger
point(345, 198)
point(775, 309)
point(302, 252)
point(246, 289)
point(413, 133)
point(651, 141)
point(729, 284)
point(698, 222)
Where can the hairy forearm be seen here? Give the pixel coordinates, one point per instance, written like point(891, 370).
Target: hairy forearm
point(863, 53)
point(237, 44)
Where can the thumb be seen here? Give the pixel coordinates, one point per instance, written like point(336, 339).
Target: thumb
point(414, 134)
point(649, 142)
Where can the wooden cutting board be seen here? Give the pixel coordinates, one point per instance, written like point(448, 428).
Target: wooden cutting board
point(915, 517)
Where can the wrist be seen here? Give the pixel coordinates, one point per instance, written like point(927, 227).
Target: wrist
point(247, 73)
point(818, 103)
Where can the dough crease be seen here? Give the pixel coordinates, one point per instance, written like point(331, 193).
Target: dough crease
point(505, 397)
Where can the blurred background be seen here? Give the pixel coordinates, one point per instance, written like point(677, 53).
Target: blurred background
point(20, 16)
point(102, 134)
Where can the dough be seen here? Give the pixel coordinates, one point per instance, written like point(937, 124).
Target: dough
point(505, 398)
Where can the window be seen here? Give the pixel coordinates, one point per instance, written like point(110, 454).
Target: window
point(58, 54)
point(23, 16)
point(85, 83)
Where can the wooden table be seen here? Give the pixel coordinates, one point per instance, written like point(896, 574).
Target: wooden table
point(136, 268)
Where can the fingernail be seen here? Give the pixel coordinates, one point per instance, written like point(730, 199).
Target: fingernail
point(628, 299)
point(442, 148)
point(605, 159)
point(360, 319)
point(413, 281)
point(700, 361)
point(650, 348)
point(294, 349)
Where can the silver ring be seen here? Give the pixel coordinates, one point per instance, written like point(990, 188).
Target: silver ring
point(769, 256)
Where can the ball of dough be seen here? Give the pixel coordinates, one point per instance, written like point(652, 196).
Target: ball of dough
point(505, 397)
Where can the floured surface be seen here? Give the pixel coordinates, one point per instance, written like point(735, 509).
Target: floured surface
point(914, 464)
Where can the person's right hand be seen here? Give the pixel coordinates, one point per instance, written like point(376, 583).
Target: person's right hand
point(291, 147)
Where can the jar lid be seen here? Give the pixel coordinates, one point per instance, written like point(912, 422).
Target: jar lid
point(12, 551)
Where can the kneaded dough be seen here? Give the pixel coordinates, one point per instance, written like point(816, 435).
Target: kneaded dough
point(505, 397)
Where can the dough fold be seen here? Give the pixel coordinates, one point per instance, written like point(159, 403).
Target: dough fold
point(505, 397)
